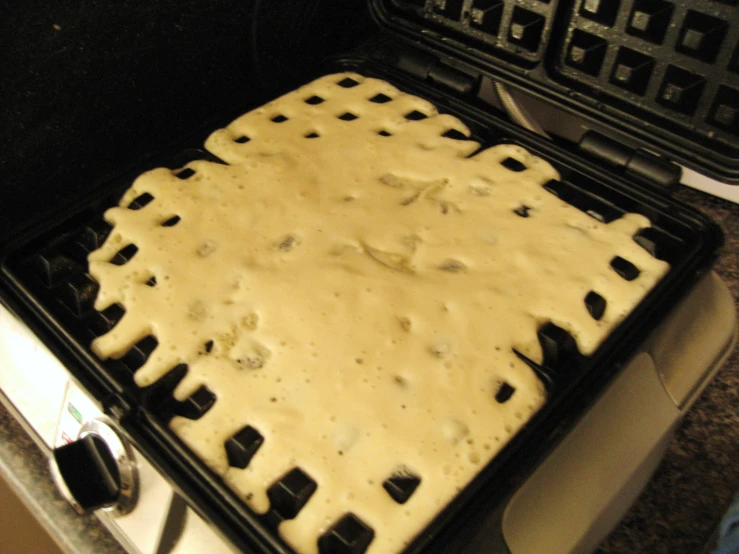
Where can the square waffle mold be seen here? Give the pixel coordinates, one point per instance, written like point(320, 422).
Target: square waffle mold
point(660, 67)
point(516, 29)
point(55, 270)
point(52, 269)
point(674, 60)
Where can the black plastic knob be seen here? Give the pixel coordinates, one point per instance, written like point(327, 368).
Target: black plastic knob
point(90, 472)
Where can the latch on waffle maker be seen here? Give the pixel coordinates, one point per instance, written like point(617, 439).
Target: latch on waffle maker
point(634, 162)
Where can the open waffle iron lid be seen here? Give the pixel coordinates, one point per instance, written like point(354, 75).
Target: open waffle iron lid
point(660, 75)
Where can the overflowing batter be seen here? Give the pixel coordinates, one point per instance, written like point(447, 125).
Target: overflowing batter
point(352, 286)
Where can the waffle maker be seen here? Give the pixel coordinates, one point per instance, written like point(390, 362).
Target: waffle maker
point(656, 83)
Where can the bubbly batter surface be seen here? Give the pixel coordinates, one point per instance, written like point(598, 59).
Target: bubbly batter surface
point(352, 286)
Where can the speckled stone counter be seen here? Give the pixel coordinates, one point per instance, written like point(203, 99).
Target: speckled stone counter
point(676, 514)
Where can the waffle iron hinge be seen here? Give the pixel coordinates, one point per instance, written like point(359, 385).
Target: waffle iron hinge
point(430, 68)
point(635, 162)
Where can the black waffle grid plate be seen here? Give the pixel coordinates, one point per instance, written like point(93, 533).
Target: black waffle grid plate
point(678, 61)
point(668, 68)
point(517, 29)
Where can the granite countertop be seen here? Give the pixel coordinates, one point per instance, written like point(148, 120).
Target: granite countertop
point(676, 513)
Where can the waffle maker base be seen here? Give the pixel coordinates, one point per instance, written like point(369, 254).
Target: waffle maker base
point(655, 365)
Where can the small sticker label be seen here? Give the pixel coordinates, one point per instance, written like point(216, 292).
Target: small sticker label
point(75, 412)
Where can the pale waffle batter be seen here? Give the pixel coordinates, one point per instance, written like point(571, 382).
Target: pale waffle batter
point(352, 286)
